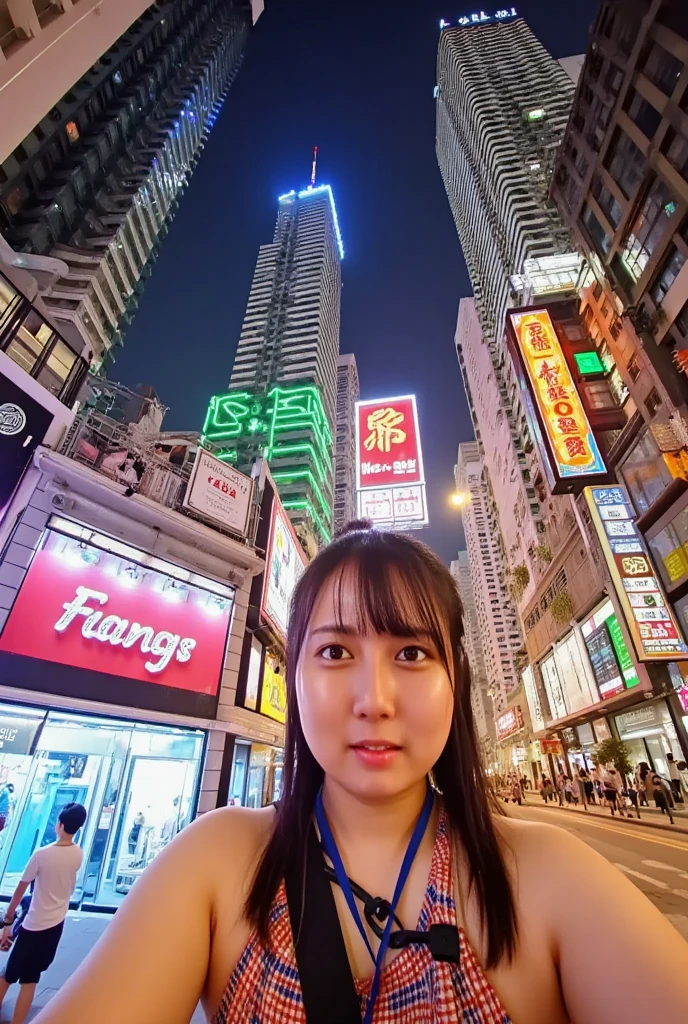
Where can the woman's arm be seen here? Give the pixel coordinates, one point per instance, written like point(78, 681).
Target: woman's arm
point(619, 959)
point(152, 962)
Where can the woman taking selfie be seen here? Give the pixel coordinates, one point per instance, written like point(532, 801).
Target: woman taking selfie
point(385, 887)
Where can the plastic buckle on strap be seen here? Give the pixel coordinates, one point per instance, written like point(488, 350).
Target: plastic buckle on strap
point(441, 939)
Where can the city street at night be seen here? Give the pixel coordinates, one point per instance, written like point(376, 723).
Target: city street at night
point(656, 860)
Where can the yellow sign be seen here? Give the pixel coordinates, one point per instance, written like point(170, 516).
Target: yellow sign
point(273, 699)
point(383, 425)
point(566, 424)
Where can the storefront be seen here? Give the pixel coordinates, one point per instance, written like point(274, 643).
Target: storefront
point(97, 628)
point(650, 734)
point(568, 678)
point(139, 784)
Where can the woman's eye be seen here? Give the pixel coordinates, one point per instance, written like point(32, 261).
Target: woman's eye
point(412, 654)
point(335, 652)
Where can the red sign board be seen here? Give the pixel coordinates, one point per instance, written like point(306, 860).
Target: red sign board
point(388, 448)
point(84, 606)
point(510, 722)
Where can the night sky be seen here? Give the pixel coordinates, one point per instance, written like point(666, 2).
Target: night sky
point(357, 80)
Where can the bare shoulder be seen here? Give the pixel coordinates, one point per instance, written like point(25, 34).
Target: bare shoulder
point(234, 837)
point(542, 854)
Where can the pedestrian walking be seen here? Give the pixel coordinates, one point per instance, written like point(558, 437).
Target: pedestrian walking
point(53, 870)
point(675, 779)
point(581, 781)
point(611, 781)
point(561, 788)
point(660, 794)
point(641, 773)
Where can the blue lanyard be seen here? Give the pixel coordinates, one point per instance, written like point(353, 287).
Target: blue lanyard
point(330, 848)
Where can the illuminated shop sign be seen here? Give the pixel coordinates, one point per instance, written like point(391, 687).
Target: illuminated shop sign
point(610, 658)
point(389, 462)
point(481, 17)
point(273, 699)
point(570, 453)
point(285, 564)
point(651, 622)
point(24, 423)
point(510, 722)
point(219, 493)
point(84, 606)
point(533, 699)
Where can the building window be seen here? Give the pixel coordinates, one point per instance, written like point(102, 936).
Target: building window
point(645, 473)
point(633, 369)
point(662, 68)
point(670, 548)
point(668, 274)
point(643, 114)
point(649, 227)
point(653, 401)
point(676, 148)
point(72, 131)
point(625, 162)
point(606, 200)
point(601, 240)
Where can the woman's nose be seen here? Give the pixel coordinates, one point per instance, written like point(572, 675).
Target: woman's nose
point(375, 691)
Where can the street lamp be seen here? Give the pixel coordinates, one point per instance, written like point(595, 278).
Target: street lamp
point(459, 499)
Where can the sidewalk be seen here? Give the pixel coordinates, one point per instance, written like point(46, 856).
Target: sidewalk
point(81, 933)
point(650, 817)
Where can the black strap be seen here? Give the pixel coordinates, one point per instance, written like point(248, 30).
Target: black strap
point(327, 984)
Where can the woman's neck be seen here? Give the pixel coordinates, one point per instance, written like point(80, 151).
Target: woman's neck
point(354, 819)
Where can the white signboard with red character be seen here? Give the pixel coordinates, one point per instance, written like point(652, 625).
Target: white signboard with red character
point(219, 493)
point(389, 463)
point(86, 607)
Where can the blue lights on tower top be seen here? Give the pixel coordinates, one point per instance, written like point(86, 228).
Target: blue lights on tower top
point(306, 193)
point(480, 18)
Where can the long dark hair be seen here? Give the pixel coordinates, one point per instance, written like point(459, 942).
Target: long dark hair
point(402, 589)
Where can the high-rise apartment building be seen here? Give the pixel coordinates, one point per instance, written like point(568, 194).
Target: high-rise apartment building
point(345, 442)
point(481, 702)
point(497, 621)
point(282, 402)
point(115, 102)
point(502, 106)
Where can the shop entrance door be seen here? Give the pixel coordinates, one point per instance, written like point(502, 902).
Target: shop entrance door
point(155, 804)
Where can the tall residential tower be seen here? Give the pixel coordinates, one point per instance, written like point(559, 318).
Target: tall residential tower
point(345, 442)
point(282, 402)
point(502, 107)
point(104, 113)
point(481, 703)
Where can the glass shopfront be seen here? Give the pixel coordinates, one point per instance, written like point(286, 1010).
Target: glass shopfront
point(256, 779)
point(650, 734)
point(138, 782)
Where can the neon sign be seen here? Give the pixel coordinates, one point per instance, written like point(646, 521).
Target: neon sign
point(112, 630)
point(481, 17)
point(572, 451)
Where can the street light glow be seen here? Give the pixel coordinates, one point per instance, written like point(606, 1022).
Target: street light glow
point(459, 499)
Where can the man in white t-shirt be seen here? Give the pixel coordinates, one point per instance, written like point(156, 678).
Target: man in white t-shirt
point(53, 870)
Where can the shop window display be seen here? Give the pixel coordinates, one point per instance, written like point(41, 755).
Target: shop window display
point(137, 782)
point(256, 778)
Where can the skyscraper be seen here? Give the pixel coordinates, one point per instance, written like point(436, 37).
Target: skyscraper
point(481, 702)
point(497, 621)
point(502, 107)
point(345, 442)
point(87, 192)
point(282, 401)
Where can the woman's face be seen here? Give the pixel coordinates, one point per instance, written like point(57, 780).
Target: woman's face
point(375, 710)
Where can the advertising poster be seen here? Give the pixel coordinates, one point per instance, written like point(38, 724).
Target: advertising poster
point(219, 493)
point(23, 425)
point(651, 622)
point(273, 699)
point(510, 722)
point(286, 561)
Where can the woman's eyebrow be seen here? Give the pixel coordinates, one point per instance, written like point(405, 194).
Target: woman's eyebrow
point(341, 629)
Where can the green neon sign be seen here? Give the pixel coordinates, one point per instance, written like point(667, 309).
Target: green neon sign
point(588, 362)
point(625, 661)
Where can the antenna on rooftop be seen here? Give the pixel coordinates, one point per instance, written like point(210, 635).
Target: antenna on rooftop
point(315, 167)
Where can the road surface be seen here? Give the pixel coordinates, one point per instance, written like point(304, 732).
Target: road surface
point(656, 860)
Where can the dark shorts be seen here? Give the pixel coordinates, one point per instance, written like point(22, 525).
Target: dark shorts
point(32, 953)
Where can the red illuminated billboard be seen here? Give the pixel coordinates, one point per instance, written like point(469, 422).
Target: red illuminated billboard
point(89, 608)
point(388, 451)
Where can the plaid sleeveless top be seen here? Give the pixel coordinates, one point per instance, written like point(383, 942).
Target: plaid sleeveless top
point(414, 989)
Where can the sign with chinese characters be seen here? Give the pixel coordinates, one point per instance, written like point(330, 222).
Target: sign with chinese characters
point(86, 607)
point(510, 722)
point(219, 493)
point(273, 698)
point(481, 17)
point(389, 463)
point(284, 564)
point(651, 622)
point(571, 453)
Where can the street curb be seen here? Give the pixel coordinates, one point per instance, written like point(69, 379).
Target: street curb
point(626, 821)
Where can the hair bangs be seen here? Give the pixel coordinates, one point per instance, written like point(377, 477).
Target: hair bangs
point(393, 595)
